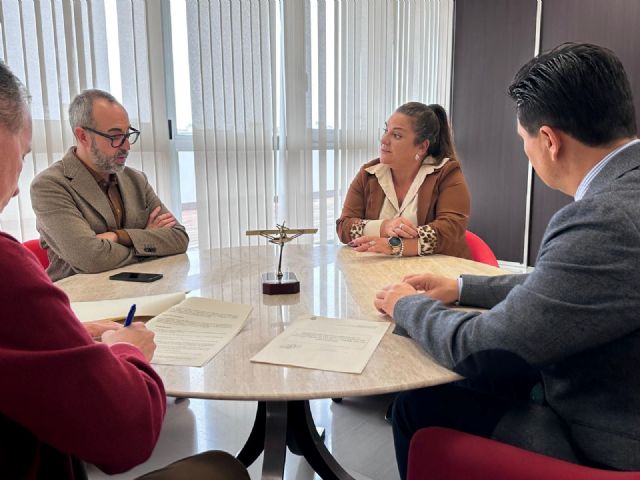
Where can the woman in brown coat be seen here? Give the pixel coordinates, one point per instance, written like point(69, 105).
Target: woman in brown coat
point(413, 200)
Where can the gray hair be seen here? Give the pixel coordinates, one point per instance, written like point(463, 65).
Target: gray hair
point(14, 100)
point(81, 108)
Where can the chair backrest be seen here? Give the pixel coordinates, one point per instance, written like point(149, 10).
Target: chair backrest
point(480, 251)
point(40, 253)
point(443, 454)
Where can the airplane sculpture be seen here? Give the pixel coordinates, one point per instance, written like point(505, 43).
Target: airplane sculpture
point(280, 282)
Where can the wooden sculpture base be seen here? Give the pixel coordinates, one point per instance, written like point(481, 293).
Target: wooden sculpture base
point(287, 284)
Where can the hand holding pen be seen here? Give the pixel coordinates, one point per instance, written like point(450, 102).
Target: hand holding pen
point(97, 328)
point(136, 334)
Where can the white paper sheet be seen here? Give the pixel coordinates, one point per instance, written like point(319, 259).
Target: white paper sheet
point(146, 306)
point(338, 345)
point(192, 332)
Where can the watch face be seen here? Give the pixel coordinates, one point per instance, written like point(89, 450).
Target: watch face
point(395, 241)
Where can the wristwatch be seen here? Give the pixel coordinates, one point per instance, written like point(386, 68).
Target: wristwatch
point(397, 247)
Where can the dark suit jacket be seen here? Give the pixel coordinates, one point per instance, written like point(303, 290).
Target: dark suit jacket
point(575, 318)
point(71, 209)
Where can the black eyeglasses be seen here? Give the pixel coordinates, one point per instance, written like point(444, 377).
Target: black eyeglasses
point(118, 139)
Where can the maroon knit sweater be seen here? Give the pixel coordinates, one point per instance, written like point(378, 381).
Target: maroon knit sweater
point(63, 397)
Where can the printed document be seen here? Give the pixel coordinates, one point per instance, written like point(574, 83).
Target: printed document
point(338, 345)
point(193, 331)
point(146, 306)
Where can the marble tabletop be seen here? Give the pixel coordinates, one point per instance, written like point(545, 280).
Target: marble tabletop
point(335, 281)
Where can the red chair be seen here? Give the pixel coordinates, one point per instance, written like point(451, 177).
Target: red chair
point(38, 251)
point(439, 453)
point(480, 251)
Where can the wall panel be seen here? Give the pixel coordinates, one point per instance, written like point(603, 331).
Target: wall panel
point(493, 38)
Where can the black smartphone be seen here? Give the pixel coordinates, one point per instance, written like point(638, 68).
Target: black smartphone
point(136, 277)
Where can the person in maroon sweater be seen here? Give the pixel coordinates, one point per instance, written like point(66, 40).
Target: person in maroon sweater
point(67, 399)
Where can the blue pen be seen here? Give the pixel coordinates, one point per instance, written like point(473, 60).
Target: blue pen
point(132, 312)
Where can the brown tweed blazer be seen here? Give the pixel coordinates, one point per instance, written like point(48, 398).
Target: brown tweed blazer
point(71, 209)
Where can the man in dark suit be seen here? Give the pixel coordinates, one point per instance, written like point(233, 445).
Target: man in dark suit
point(94, 213)
point(572, 323)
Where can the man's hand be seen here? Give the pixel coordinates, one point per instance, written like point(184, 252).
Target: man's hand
point(98, 327)
point(398, 227)
point(387, 298)
point(136, 334)
point(434, 286)
point(111, 236)
point(157, 220)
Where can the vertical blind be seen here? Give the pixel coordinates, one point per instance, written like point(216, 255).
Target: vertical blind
point(287, 97)
point(232, 60)
point(348, 65)
point(59, 48)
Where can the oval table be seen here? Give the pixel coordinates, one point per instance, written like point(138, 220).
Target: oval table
point(335, 282)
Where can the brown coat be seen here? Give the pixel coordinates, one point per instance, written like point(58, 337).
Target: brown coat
point(443, 204)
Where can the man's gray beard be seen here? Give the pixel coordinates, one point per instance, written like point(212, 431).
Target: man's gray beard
point(105, 163)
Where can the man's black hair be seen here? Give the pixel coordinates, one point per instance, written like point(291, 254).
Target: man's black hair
point(579, 88)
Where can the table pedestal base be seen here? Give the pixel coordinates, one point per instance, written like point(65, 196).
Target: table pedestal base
point(279, 425)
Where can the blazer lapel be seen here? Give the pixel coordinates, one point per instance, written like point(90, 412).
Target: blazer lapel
point(86, 187)
point(130, 198)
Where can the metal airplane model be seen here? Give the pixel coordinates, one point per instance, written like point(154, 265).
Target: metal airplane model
point(286, 282)
point(283, 234)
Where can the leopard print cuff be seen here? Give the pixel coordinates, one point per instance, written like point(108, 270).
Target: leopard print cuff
point(357, 229)
point(427, 240)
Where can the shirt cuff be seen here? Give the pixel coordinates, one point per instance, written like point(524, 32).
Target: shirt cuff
point(427, 240)
point(372, 228)
point(459, 287)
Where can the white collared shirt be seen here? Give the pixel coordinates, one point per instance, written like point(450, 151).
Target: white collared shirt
point(390, 207)
point(586, 181)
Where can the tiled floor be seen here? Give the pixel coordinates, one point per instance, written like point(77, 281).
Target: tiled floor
point(355, 432)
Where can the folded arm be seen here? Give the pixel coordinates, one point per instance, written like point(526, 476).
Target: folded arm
point(88, 246)
point(69, 235)
point(162, 234)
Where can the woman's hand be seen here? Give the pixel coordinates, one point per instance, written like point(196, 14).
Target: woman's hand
point(398, 227)
point(371, 244)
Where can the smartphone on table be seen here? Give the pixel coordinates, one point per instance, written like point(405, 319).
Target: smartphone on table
point(136, 277)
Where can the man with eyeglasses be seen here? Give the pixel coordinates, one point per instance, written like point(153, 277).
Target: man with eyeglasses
point(94, 213)
point(67, 399)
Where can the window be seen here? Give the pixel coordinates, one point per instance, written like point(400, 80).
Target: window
point(273, 105)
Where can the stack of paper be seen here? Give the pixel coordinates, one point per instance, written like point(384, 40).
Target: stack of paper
point(189, 332)
point(193, 331)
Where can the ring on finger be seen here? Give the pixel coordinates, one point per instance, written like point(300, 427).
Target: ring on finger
point(372, 243)
point(401, 226)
